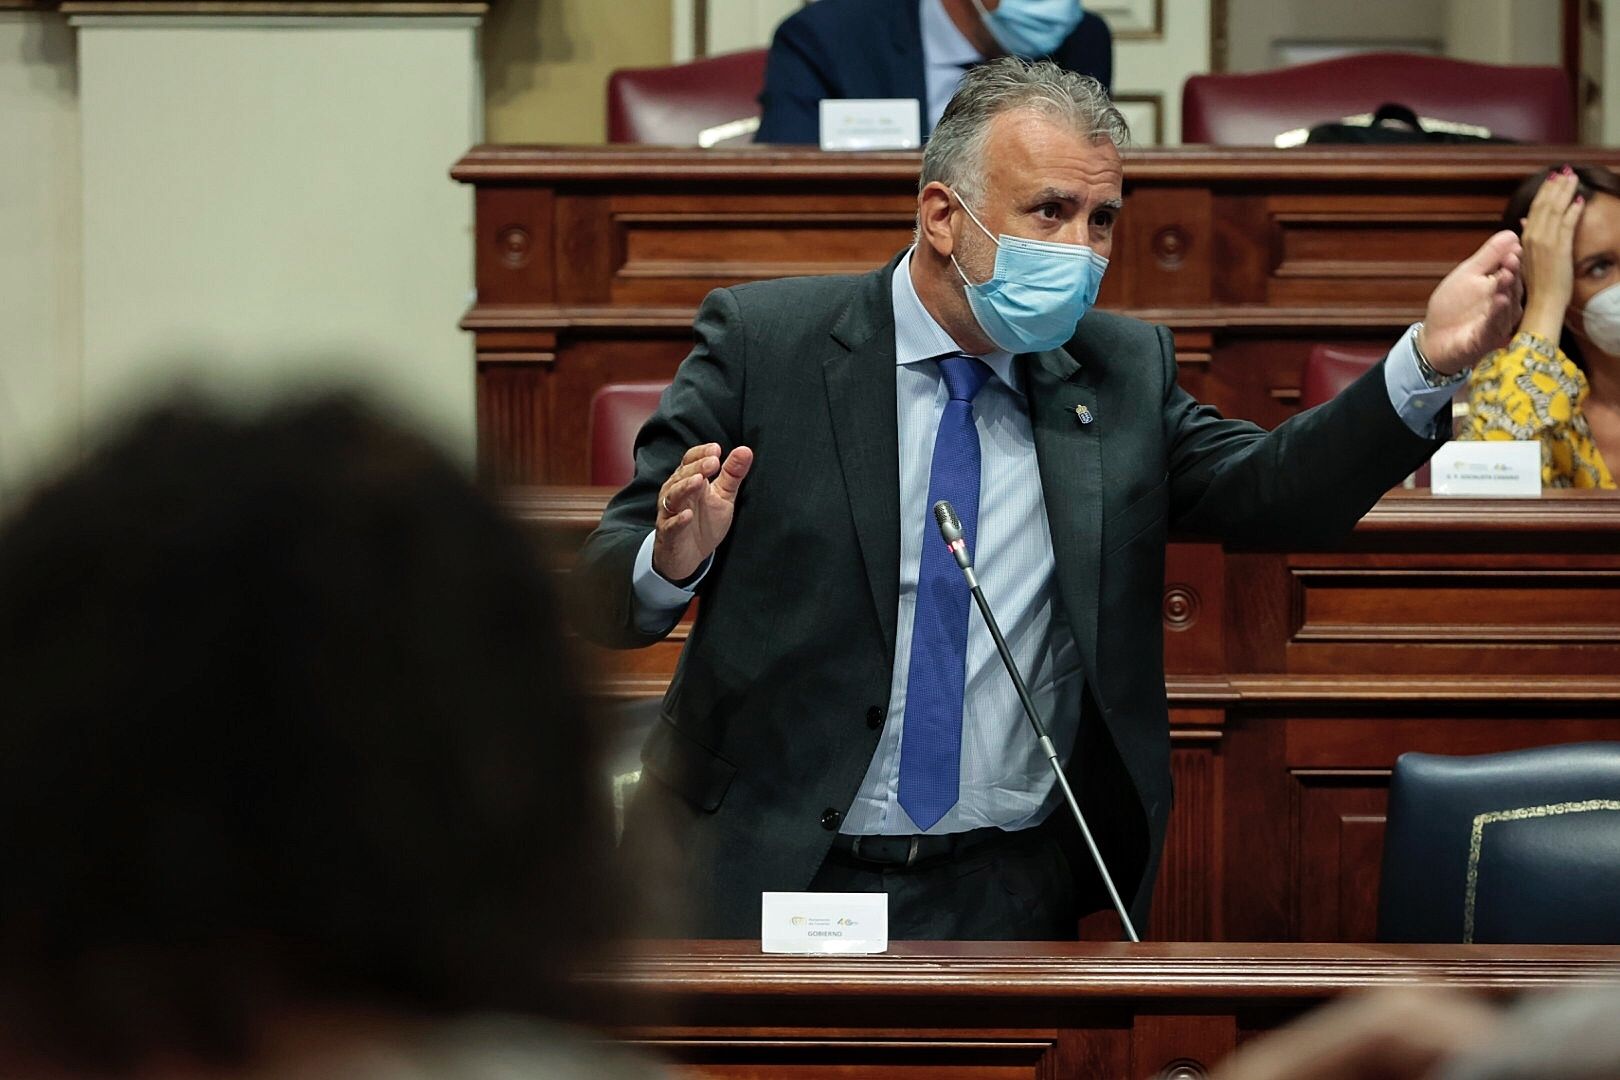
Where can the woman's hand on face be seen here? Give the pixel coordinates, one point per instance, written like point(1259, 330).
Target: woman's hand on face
point(1549, 253)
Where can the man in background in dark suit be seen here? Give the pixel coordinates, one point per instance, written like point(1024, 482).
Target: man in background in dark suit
point(839, 720)
point(913, 49)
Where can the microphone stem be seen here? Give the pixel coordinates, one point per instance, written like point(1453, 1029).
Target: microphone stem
point(1047, 747)
point(1096, 855)
point(1007, 658)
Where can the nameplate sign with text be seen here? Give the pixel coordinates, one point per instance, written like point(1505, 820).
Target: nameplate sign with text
point(871, 124)
point(807, 922)
point(1509, 470)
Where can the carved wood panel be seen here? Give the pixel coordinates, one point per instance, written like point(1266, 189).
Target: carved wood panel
point(515, 262)
point(1378, 248)
point(1521, 606)
point(1180, 1047)
point(1249, 256)
point(1194, 598)
point(1184, 906)
point(1340, 843)
point(679, 256)
point(859, 1058)
point(512, 430)
point(1166, 247)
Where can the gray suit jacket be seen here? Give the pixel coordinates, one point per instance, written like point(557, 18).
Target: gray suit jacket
point(774, 710)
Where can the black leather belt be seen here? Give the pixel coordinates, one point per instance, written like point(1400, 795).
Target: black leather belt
point(915, 850)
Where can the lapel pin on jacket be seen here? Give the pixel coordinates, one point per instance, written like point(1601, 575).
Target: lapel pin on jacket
point(1084, 414)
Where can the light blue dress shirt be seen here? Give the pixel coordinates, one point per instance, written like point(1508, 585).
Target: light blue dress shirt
point(946, 56)
point(1005, 781)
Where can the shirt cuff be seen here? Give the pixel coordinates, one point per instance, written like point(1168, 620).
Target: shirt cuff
point(659, 602)
point(1423, 408)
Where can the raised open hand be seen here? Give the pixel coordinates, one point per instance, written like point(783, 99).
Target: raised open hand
point(1475, 308)
point(1549, 246)
point(695, 506)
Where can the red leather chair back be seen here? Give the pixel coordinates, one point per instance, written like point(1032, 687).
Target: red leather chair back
point(1529, 104)
point(1331, 368)
point(669, 106)
point(617, 412)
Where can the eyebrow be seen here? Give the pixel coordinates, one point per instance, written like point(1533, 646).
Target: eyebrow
point(1052, 194)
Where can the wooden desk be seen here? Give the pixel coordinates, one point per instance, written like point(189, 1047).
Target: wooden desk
point(1295, 680)
point(1044, 1010)
point(591, 261)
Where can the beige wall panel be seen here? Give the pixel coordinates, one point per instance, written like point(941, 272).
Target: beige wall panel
point(1152, 59)
point(1504, 31)
point(39, 246)
point(734, 25)
point(1254, 25)
point(546, 63)
point(268, 207)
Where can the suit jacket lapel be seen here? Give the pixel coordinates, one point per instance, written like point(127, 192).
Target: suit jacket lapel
point(1069, 455)
point(860, 379)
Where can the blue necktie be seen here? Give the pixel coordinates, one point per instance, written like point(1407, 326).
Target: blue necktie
point(931, 740)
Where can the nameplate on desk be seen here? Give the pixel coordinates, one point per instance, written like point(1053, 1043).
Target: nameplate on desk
point(871, 124)
point(816, 922)
point(1509, 470)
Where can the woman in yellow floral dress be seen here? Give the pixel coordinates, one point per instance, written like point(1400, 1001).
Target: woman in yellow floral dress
point(1559, 379)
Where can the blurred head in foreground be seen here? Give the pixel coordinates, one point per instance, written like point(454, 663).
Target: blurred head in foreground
point(286, 730)
point(1439, 1033)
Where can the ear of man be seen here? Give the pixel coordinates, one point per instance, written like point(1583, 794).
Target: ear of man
point(934, 208)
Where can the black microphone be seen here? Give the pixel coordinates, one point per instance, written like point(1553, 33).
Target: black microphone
point(950, 528)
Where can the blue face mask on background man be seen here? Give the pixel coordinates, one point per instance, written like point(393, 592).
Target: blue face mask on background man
point(1031, 28)
point(1038, 292)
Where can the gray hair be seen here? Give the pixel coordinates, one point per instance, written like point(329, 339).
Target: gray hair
point(955, 153)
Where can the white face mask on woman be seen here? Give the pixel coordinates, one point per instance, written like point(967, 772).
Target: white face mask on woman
point(1600, 319)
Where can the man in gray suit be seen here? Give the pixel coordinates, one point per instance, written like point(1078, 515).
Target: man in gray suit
point(839, 719)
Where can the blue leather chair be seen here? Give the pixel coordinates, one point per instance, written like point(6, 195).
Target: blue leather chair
point(1522, 846)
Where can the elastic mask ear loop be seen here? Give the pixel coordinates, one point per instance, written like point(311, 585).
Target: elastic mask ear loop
point(963, 204)
point(975, 217)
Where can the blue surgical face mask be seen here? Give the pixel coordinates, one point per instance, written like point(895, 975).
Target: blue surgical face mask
point(1031, 28)
point(1038, 292)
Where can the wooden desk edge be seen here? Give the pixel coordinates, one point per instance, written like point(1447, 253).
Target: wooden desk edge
point(517, 163)
point(1089, 969)
point(1403, 511)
